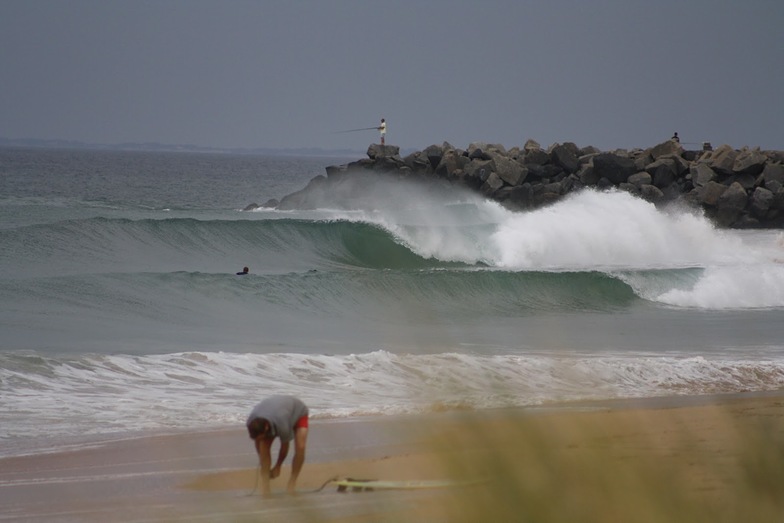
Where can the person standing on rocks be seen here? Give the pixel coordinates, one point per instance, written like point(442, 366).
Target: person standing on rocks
point(675, 138)
point(383, 130)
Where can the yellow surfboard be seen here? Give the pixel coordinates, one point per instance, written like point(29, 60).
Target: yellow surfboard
point(359, 485)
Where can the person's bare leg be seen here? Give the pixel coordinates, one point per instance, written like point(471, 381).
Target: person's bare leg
point(300, 442)
point(263, 448)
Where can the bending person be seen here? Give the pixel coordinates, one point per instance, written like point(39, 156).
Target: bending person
point(284, 417)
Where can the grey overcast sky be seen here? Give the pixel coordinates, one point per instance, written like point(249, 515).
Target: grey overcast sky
point(289, 73)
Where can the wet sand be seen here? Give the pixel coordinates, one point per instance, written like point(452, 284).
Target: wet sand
point(715, 458)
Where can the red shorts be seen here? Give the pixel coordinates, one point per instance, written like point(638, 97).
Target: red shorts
point(301, 423)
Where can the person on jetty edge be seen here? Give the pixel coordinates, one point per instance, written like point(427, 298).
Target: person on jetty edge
point(383, 130)
point(284, 417)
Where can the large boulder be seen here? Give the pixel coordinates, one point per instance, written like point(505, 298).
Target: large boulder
point(587, 175)
point(565, 156)
point(417, 162)
point(721, 160)
point(709, 193)
point(651, 193)
point(761, 202)
point(492, 184)
point(450, 162)
point(531, 145)
point(522, 195)
point(773, 174)
point(749, 162)
point(536, 157)
point(701, 174)
point(614, 167)
point(663, 171)
point(640, 179)
point(306, 198)
point(433, 153)
point(508, 170)
point(670, 147)
point(382, 151)
point(731, 204)
point(479, 169)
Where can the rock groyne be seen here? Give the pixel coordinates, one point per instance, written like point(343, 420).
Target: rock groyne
point(735, 188)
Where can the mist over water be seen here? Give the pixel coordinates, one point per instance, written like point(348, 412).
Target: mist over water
point(121, 307)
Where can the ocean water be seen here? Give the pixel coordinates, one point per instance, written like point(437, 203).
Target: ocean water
point(121, 311)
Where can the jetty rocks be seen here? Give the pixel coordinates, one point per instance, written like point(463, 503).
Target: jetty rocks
point(735, 188)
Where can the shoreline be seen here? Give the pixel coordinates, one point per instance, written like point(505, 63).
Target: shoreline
point(55, 445)
point(702, 441)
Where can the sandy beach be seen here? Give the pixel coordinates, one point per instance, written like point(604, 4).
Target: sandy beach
point(713, 458)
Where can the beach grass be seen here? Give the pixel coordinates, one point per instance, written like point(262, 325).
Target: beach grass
point(719, 461)
point(706, 464)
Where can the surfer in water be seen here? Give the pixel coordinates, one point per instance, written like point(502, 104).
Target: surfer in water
point(284, 417)
point(243, 272)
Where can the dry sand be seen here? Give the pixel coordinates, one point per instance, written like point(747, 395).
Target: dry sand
point(717, 458)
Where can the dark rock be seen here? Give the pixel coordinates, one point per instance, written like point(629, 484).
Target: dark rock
point(531, 145)
point(252, 206)
point(604, 183)
point(651, 193)
point(535, 157)
point(640, 179)
point(565, 156)
point(417, 161)
point(545, 198)
point(663, 172)
point(304, 198)
point(701, 174)
point(735, 188)
point(381, 151)
point(746, 181)
point(691, 156)
point(450, 162)
point(630, 188)
point(478, 154)
point(479, 169)
point(333, 170)
point(492, 184)
point(434, 154)
point(588, 175)
point(778, 200)
point(508, 170)
point(749, 163)
point(643, 161)
point(710, 193)
point(614, 167)
point(773, 172)
point(670, 147)
point(721, 160)
point(731, 203)
point(589, 151)
point(681, 165)
point(522, 195)
point(761, 202)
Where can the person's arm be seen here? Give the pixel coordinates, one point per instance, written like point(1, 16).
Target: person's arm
point(263, 447)
point(284, 451)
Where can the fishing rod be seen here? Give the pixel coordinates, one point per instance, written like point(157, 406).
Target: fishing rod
point(355, 130)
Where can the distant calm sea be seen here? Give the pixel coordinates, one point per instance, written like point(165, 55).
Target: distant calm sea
point(120, 310)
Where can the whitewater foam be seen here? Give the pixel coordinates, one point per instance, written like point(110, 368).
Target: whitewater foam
point(96, 394)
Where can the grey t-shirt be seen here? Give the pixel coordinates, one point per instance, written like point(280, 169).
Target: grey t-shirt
point(282, 412)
